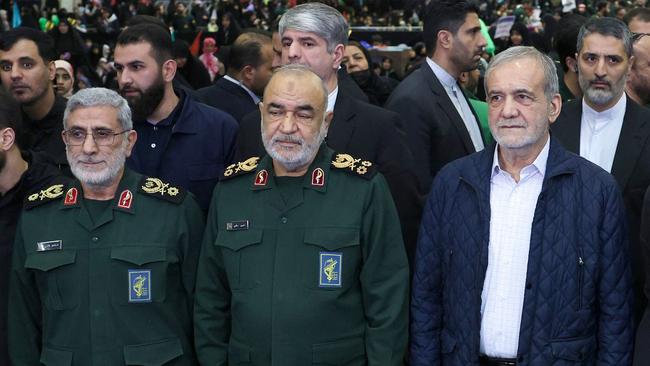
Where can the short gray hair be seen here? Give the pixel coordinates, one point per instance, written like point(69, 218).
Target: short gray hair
point(320, 19)
point(297, 70)
point(607, 27)
point(551, 84)
point(97, 97)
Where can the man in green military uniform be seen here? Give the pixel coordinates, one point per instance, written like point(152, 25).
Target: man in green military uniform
point(104, 268)
point(302, 260)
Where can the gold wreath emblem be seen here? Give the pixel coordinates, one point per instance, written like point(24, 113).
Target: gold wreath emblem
point(345, 161)
point(50, 192)
point(155, 185)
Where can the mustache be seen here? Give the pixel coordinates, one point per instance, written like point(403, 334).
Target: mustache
point(287, 138)
point(511, 123)
point(600, 80)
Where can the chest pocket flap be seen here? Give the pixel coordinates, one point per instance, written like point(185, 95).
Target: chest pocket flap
point(153, 354)
point(332, 238)
point(46, 261)
point(139, 255)
point(236, 240)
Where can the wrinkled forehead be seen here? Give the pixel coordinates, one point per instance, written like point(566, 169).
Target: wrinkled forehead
point(295, 89)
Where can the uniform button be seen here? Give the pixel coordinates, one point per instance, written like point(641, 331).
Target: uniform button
point(284, 220)
point(153, 145)
point(155, 128)
point(94, 238)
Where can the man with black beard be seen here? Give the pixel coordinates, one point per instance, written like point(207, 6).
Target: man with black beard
point(180, 140)
point(607, 127)
point(20, 172)
point(27, 71)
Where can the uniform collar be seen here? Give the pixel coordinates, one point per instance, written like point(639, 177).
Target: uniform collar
point(124, 195)
point(316, 177)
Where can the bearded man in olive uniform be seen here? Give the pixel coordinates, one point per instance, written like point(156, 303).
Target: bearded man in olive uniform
point(104, 268)
point(303, 260)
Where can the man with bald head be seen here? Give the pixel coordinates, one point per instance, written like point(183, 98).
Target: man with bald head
point(303, 259)
point(638, 83)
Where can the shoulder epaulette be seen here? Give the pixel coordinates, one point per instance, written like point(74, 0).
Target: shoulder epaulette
point(48, 194)
point(355, 166)
point(159, 189)
point(240, 168)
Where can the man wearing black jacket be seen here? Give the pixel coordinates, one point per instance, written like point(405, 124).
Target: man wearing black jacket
point(314, 35)
point(19, 173)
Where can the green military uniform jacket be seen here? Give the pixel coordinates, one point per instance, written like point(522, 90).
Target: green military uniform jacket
point(112, 291)
point(319, 279)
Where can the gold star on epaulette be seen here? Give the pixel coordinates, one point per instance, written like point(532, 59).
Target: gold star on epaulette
point(359, 167)
point(45, 195)
point(240, 168)
point(157, 188)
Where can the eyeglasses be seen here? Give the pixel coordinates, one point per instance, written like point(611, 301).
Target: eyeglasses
point(637, 36)
point(101, 136)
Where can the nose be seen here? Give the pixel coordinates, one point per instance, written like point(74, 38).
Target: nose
point(89, 146)
point(293, 51)
point(15, 73)
point(509, 109)
point(482, 42)
point(124, 77)
point(288, 125)
point(601, 68)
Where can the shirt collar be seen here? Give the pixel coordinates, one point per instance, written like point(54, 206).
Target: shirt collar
point(445, 78)
point(616, 113)
point(255, 98)
point(331, 99)
point(539, 164)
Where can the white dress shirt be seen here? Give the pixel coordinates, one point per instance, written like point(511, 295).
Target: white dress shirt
point(255, 98)
point(331, 99)
point(512, 207)
point(464, 110)
point(599, 132)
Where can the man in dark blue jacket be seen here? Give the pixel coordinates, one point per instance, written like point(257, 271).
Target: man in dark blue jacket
point(179, 139)
point(523, 256)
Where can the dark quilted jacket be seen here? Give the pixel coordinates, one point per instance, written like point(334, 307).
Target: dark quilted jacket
point(578, 300)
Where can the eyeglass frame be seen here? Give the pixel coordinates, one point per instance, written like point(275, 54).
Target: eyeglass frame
point(93, 132)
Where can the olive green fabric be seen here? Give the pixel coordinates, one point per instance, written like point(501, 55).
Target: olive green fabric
point(261, 292)
point(74, 302)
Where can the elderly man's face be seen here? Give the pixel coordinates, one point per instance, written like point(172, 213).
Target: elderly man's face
point(518, 110)
point(294, 122)
point(97, 161)
point(25, 74)
point(603, 66)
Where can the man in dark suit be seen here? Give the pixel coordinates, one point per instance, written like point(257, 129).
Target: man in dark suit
point(608, 128)
point(249, 70)
point(315, 35)
point(440, 124)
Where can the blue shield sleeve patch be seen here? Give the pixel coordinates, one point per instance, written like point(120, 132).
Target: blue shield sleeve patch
point(330, 269)
point(139, 285)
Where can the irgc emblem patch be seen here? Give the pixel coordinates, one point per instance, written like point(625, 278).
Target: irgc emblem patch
point(330, 269)
point(139, 285)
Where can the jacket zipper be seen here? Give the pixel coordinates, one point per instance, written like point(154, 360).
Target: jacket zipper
point(581, 270)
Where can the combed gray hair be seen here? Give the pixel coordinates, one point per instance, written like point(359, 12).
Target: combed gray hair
point(607, 27)
point(551, 84)
point(298, 70)
point(320, 19)
point(97, 97)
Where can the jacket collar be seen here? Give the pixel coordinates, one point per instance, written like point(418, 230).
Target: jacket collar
point(316, 178)
point(124, 195)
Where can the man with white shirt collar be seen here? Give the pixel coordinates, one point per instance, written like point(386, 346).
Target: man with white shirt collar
point(607, 127)
point(440, 124)
point(249, 70)
point(315, 35)
point(528, 237)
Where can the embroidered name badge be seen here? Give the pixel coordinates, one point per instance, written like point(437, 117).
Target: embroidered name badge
point(139, 285)
point(330, 269)
point(46, 246)
point(237, 225)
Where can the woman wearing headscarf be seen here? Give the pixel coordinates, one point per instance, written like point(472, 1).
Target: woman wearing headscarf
point(64, 81)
